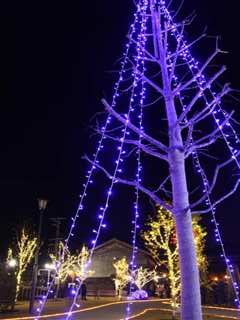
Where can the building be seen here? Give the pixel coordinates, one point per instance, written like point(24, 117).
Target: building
point(103, 259)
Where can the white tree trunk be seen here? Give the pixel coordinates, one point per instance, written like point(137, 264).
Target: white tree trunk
point(190, 284)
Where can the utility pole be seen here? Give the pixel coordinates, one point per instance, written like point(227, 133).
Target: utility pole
point(56, 222)
point(42, 204)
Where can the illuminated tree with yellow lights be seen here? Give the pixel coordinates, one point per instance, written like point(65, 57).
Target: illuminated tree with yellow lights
point(79, 267)
point(67, 264)
point(200, 240)
point(142, 276)
point(122, 276)
point(23, 253)
point(161, 240)
point(73, 265)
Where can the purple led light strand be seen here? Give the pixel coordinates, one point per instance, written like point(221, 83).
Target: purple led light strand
point(89, 175)
point(205, 182)
point(117, 170)
point(139, 166)
point(193, 65)
point(217, 232)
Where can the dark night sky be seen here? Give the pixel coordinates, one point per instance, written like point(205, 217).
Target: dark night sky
point(54, 58)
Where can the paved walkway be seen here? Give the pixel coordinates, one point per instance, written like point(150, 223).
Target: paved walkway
point(153, 309)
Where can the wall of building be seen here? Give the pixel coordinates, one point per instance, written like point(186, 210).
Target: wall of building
point(104, 257)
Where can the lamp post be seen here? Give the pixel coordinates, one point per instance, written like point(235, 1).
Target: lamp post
point(49, 267)
point(42, 204)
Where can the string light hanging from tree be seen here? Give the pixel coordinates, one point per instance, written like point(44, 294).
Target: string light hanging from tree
point(170, 76)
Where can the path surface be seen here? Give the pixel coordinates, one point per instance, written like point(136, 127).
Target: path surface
point(153, 309)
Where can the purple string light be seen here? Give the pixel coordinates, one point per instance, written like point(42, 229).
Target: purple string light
point(42, 301)
point(217, 232)
point(218, 112)
point(201, 82)
point(220, 116)
point(118, 162)
point(135, 222)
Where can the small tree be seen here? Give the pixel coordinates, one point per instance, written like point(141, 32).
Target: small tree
point(122, 276)
point(80, 267)
point(142, 276)
point(161, 241)
point(200, 241)
point(67, 264)
point(71, 264)
point(23, 253)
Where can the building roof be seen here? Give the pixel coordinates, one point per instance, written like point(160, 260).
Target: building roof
point(115, 241)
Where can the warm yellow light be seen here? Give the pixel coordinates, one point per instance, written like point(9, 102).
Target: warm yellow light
point(23, 254)
point(160, 238)
point(50, 266)
point(12, 263)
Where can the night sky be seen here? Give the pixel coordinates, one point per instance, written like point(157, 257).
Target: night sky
point(54, 69)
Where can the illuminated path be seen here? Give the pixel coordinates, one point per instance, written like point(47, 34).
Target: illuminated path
point(141, 310)
point(115, 311)
point(144, 310)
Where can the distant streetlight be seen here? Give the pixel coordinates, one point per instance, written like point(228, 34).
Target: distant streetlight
point(50, 266)
point(12, 263)
point(42, 204)
point(156, 278)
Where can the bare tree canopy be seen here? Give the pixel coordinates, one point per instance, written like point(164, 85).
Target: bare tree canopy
point(168, 107)
point(166, 134)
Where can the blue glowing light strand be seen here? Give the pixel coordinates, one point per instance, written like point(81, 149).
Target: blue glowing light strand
point(43, 299)
point(140, 116)
point(217, 232)
point(218, 112)
point(205, 182)
point(136, 214)
point(135, 222)
point(117, 170)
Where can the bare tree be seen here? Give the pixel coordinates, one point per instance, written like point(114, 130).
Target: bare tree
point(160, 79)
point(122, 276)
point(23, 252)
point(73, 264)
point(143, 276)
point(161, 241)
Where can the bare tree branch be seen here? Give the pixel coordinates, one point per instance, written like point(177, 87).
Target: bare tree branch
point(207, 111)
point(216, 203)
point(152, 103)
point(177, 54)
point(135, 184)
point(182, 87)
point(152, 84)
point(213, 183)
point(199, 95)
point(208, 139)
point(145, 148)
point(189, 45)
point(131, 126)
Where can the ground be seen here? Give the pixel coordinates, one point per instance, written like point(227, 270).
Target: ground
point(108, 309)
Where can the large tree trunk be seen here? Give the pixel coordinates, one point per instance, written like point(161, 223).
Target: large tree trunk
point(190, 284)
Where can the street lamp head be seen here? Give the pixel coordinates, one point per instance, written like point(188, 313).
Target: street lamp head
point(12, 263)
point(42, 204)
point(50, 266)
